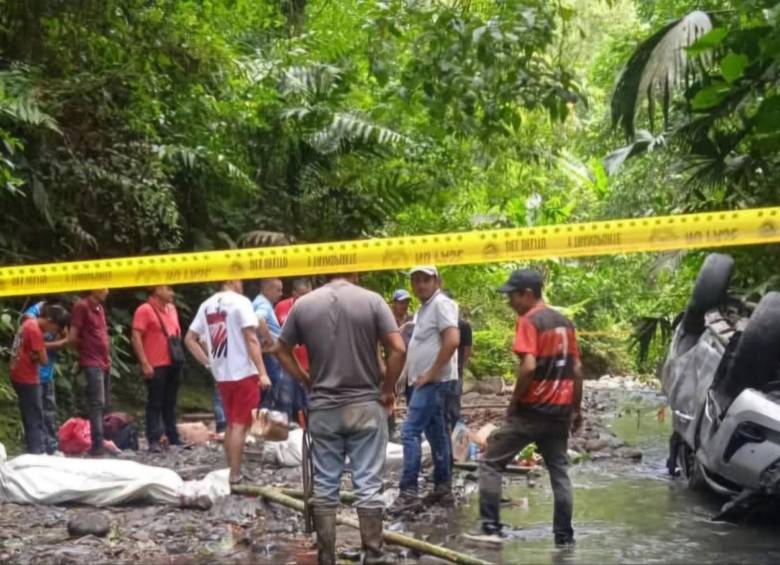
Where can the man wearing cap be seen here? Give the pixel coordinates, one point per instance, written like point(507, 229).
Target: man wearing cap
point(430, 366)
point(545, 405)
point(400, 308)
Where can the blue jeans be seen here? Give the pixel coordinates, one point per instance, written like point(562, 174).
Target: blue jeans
point(274, 370)
point(357, 431)
point(219, 411)
point(426, 414)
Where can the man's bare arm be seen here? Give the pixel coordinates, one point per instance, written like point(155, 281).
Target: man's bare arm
point(256, 355)
point(192, 341)
point(396, 357)
point(525, 375)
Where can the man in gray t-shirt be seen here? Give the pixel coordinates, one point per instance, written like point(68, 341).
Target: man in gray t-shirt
point(341, 326)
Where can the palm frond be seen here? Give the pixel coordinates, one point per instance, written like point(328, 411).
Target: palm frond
point(350, 127)
point(311, 82)
point(644, 141)
point(657, 67)
point(647, 330)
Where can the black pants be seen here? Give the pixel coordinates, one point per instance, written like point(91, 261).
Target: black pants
point(550, 435)
point(162, 389)
point(49, 404)
point(32, 415)
point(99, 400)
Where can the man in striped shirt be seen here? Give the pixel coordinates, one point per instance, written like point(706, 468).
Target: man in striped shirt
point(545, 405)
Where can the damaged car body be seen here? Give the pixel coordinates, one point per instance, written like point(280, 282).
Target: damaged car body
point(722, 378)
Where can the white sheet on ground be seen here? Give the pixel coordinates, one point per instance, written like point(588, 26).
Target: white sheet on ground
point(287, 453)
point(43, 479)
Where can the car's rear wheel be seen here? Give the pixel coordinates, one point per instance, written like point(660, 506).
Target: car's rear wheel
point(710, 290)
point(757, 355)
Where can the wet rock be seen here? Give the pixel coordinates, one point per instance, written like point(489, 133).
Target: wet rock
point(629, 453)
point(491, 385)
point(89, 523)
point(141, 535)
point(592, 445)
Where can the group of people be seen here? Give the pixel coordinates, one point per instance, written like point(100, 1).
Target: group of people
point(340, 354)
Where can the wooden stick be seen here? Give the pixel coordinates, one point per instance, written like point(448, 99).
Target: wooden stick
point(390, 537)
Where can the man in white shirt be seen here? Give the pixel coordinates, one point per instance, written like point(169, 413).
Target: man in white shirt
point(430, 366)
point(223, 338)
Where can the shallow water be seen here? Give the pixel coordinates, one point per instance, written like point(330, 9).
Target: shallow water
point(623, 513)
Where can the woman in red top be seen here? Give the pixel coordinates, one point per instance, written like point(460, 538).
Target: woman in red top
point(160, 373)
point(27, 354)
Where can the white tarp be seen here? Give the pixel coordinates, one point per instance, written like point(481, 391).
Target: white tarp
point(288, 453)
point(43, 479)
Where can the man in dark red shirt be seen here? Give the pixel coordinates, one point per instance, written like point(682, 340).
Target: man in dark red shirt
point(89, 333)
point(28, 353)
point(545, 405)
point(154, 322)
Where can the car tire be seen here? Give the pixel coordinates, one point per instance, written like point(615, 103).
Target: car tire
point(709, 291)
point(690, 468)
point(757, 355)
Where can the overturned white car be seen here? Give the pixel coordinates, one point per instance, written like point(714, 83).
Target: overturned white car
point(722, 378)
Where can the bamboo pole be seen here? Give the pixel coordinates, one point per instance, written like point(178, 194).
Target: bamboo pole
point(509, 469)
point(390, 537)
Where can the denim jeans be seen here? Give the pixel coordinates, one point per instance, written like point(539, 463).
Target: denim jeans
point(32, 416)
point(357, 431)
point(162, 390)
point(425, 413)
point(99, 401)
point(274, 370)
point(49, 405)
point(219, 411)
point(504, 444)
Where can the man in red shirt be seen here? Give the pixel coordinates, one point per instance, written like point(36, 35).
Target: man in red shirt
point(545, 405)
point(28, 353)
point(154, 322)
point(89, 333)
point(291, 395)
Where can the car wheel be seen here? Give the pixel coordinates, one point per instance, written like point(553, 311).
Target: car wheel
point(690, 468)
point(709, 291)
point(757, 355)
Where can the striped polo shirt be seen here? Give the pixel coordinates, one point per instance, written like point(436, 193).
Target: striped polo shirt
point(549, 336)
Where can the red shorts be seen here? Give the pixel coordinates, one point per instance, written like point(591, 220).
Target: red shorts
point(239, 398)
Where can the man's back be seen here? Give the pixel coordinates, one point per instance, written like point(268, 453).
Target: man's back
point(340, 324)
point(550, 337)
point(220, 321)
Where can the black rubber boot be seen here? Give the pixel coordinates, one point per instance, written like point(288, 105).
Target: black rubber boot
point(371, 536)
point(325, 526)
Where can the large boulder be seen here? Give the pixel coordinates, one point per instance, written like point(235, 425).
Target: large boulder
point(491, 385)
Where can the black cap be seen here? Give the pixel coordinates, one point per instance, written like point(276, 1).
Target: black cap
point(523, 279)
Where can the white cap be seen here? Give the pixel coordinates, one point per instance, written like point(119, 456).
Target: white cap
point(427, 269)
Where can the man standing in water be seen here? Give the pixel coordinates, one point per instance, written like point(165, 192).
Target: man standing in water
point(341, 326)
point(545, 405)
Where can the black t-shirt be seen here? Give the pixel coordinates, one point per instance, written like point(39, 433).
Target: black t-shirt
point(465, 341)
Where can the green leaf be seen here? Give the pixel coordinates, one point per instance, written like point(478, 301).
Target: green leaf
point(732, 66)
point(710, 96)
point(767, 119)
point(708, 41)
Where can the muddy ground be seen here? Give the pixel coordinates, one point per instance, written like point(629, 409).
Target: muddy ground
point(247, 529)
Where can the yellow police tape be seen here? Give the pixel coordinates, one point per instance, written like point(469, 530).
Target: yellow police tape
point(689, 231)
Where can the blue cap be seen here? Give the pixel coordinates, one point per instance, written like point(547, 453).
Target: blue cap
point(400, 295)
